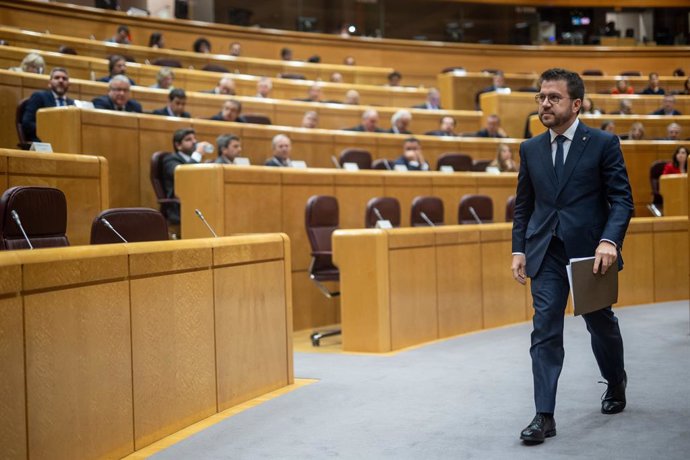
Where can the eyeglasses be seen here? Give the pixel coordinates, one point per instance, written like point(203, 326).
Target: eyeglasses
point(553, 99)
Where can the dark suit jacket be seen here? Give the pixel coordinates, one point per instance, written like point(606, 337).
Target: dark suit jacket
point(170, 162)
point(219, 117)
point(164, 111)
point(38, 100)
point(361, 129)
point(661, 112)
point(438, 132)
point(649, 90)
point(105, 103)
point(593, 202)
point(401, 132)
point(273, 161)
point(426, 107)
point(485, 133)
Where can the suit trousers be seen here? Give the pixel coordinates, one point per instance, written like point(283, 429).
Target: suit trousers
point(550, 291)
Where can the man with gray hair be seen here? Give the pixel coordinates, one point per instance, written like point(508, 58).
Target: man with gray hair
point(370, 121)
point(264, 87)
point(433, 100)
point(282, 146)
point(673, 132)
point(118, 97)
point(226, 86)
point(400, 121)
point(229, 148)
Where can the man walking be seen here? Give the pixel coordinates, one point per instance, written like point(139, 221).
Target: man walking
point(573, 200)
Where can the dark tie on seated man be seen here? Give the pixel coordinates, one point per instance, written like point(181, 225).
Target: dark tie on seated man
point(56, 96)
point(118, 97)
point(573, 200)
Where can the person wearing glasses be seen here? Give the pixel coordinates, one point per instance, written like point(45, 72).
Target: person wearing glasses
point(573, 199)
point(118, 97)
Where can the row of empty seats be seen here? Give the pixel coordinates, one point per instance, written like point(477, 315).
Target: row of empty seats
point(36, 217)
point(458, 161)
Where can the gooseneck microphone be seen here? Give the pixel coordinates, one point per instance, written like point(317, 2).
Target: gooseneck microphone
point(203, 219)
point(112, 229)
point(336, 162)
point(426, 219)
point(378, 214)
point(387, 164)
point(475, 216)
point(16, 219)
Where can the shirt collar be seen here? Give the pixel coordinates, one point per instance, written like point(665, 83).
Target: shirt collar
point(569, 133)
point(186, 157)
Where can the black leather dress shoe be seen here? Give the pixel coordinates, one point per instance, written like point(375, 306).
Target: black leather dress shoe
point(542, 426)
point(613, 400)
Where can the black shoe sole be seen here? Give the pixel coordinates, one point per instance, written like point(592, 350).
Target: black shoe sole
point(612, 412)
point(531, 441)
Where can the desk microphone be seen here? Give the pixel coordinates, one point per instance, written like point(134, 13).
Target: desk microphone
point(112, 229)
point(378, 214)
point(203, 219)
point(475, 216)
point(426, 219)
point(387, 164)
point(15, 217)
point(336, 162)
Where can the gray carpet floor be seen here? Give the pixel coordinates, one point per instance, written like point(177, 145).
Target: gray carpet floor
point(468, 398)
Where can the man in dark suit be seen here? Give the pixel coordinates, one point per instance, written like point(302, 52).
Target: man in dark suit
point(56, 96)
point(573, 199)
point(231, 111)
point(187, 151)
point(497, 83)
point(282, 146)
point(412, 157)
point(370, 121)
point(433, 101)
point(177, 100)
point(117, 65)
point(492, 128)
point(229, 148)
point(446, 127)
point(668, 107)
point(118, 97)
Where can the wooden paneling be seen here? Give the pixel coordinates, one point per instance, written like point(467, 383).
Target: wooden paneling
point(385, 277)
point(674, 189)
point(116, 344)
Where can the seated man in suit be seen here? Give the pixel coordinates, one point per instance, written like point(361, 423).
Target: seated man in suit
point(400, 122)
point(118, 97)
point(229, 148)
point(187, 151)
point(673, 132)
point(351, 97)
point(412, 156)
point(231, 111)
point(624, 108)
point(370, 121)
point(313, 94)
point(282, 146)
point(493, 128)
point(177, 99)
point(433, 101)
point(446, 127)
point(653, 87)
point(56, 96)
point(226, 85)
point(668, 106)
point(117, 65)
point(498, 83)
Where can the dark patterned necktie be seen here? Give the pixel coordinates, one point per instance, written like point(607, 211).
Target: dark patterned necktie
point(558, 164)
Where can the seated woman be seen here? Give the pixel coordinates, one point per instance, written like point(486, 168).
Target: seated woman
point(32, 63)
point(636, 132)
point(504, 159)
point(622, 87)
point(679, 162)
point(588, 107)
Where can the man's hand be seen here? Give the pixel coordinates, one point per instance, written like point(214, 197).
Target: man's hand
point(518, 268)
point(605, 255)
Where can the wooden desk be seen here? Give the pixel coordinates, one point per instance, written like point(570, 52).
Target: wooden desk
point(674, 189)
point(418, 61)
point(514, 109)
point(108, 348)
point(82, 178)
point(458, 89)
point(404, 287)
point(257, 199)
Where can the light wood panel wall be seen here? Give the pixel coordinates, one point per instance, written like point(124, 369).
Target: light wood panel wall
point(91, 68)
point(256, 199)
point(403, 287)
point(674, 189)
point(412, 58)
point(82, 178)
point(121, 345)
point(458, 89)
point(515, 108)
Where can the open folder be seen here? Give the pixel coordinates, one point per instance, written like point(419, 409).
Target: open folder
point(591, 292)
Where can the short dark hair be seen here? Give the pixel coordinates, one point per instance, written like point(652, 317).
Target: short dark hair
point(199, 42)
point(59, 69)
point(285, 52)
point(576, 88)
point(177, 93)
point(394, 74)
point(236, 103)
point(181, 134)
point(122, 28)
point(114, 59)
point(224, 140)
point(411, 139)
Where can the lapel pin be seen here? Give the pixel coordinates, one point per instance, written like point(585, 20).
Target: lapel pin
point(584, 138)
